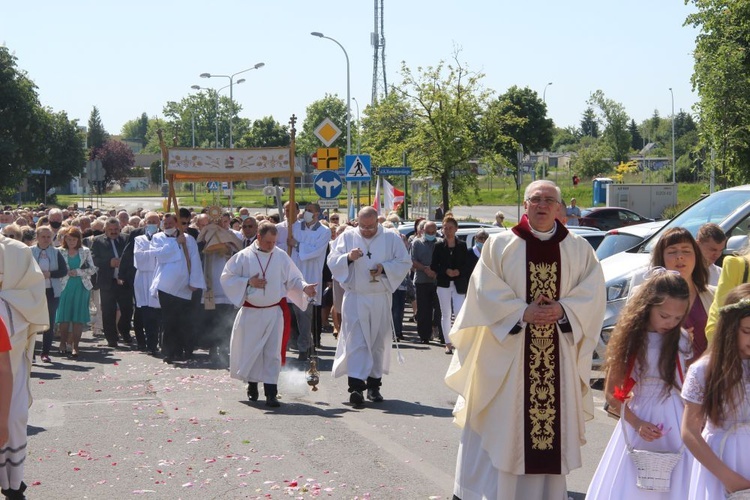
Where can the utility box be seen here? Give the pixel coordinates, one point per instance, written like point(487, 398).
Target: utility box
point(649, 200)
point(600, 190)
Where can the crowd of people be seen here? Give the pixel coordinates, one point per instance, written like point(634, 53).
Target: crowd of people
point(520, 312)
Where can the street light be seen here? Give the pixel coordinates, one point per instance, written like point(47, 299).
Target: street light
point(231, 94)
point(348, 111)
point(673, 158)
point(544, 93)
point(216, 122)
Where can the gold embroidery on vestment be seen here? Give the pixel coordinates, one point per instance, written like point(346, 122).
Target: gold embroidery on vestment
point(542, 397)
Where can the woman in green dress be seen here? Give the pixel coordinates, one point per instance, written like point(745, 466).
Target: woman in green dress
point(73, 310)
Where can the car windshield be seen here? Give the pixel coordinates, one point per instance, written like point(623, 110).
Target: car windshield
point(715, 208)
point(616, 243)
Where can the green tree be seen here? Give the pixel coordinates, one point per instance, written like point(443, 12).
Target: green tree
point(589, 123)
point(265, 133)
point(616, 136)
point(636, 141)
point(97, 135)
point(521, 115)
point(64, 150)
point(565, 139)
point(684, 124)
point(333, 107)
point(447, 101)
point(388, 128)
point(591, 161)
point(721, 73)
point(21, 124)
point(136, 130)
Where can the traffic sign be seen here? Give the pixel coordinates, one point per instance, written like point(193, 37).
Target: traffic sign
point(314, 160)
point(394, 171)
point(327, 159)
point(212, 186)
point(327, 132)
point(358, 168)
point(328, 184)
point(328, 203)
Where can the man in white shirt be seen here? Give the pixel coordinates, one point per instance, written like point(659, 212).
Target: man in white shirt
point(178, 273)
point(712, 241)
point(144, 257)
point(282, 227)
point(309, 241)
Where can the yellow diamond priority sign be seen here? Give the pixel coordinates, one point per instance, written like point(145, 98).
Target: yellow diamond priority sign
point(327, 132)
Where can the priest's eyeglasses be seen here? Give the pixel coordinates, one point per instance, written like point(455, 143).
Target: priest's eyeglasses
point(538, 200)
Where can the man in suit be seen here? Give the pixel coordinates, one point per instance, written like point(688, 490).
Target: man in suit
point(249, 231)
point(107, 250)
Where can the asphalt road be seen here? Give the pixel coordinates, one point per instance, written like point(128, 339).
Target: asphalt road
point(120, 423)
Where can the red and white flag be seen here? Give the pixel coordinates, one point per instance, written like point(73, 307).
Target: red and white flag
point(376, 200)
point(392, 197)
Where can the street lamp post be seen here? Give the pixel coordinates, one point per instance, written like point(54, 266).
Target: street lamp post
point(348, 112)
point(544, 93)
point(231, 94)
point(673, 157)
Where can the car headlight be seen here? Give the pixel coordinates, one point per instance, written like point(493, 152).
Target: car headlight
point(618, 289)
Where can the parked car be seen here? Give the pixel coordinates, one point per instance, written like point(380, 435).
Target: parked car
point(625, 238)
point(729, 208)
point(606, 218)
point(591, 234)
point(406, 228)
point(467, 234)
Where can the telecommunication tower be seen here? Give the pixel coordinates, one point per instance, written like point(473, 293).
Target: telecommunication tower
point(377, 39)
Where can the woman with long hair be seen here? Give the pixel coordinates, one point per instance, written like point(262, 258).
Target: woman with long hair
point(678, 251)
point(73, 309)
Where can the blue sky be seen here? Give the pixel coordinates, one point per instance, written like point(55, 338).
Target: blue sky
point(130, 57)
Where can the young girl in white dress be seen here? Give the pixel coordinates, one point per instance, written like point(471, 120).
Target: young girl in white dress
point(717, 401)
point(646, 357)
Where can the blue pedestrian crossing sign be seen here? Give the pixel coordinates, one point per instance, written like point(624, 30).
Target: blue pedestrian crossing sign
point(357, 168)
point(213, 186)
point(328, 184)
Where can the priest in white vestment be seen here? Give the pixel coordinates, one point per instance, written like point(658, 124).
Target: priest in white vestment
point(524, 341)
point(257, 280)
point(144, 261)
point(370, 263)
point(23, 308)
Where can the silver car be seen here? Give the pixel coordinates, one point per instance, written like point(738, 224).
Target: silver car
point(729, 208)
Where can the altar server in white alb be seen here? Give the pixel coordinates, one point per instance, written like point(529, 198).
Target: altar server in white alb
point(524, 339)
point(23, 308)
point(258, 280)
point(309, 240)
point(370, 263)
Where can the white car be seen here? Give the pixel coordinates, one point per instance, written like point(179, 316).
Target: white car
point(626, 237)
point(729, 208)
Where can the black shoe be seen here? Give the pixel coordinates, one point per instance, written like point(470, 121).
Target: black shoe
point(252, 391)
point(302, 356)
point(374, 395)
point(357, 399)
point(168, 361)
point(272, 402)
point(112, 344)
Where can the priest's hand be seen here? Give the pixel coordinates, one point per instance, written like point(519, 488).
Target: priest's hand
point(354, 254)
point(541, 312)
point(257, 282)
point(311, 290)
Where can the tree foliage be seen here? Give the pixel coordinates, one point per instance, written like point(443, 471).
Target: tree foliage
point(117, 159)
point(265, 133)
point(387, 129)
point(332, 107)
point(21, 120)
point(447, 101)
point(589, 124)
point(636, 140)
point(97, 135)
point(136, 130)
point(721, 73)
point(616, 136)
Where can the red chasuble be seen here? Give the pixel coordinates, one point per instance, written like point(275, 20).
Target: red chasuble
point(542, 440)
